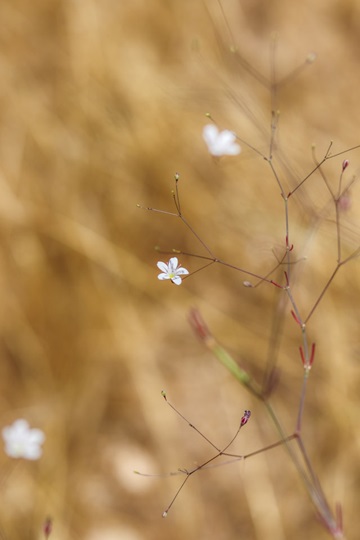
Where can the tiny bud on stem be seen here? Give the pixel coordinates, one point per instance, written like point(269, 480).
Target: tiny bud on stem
point(311, 361)
point(295, 317)
point(245, 418)
point(276, 284)
point(307, 363)
point(289, 246)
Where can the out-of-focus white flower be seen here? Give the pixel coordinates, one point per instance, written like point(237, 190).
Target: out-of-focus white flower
point(172, 270)
point(220, 143)
point(23, 442)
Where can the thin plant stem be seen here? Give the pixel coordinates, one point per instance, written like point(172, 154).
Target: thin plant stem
point(321, 296)
point(298, 455)
point(296, 72)
point(206, 463)
point(302, 402)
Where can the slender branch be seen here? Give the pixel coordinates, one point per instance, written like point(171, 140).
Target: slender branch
point(321, 296)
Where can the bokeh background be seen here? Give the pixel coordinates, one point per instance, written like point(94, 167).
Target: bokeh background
point(100, 104)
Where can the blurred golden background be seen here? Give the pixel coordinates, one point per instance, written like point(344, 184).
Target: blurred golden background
point(100, 104)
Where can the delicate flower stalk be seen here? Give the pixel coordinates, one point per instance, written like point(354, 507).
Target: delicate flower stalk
point(209, 462)
point(225, 143)
point(244, 378)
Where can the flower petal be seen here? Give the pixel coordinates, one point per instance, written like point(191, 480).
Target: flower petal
point(32, 452)
point(162, 266)
point(226, 143)
point(173, 264)
point(210, 134)
point(226, 138)
point(36, 436)
point(177, 280)
point(182, 271)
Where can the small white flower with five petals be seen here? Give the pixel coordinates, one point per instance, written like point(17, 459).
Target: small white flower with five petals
point(23, 442)
point(220, 143)
point(172, 270)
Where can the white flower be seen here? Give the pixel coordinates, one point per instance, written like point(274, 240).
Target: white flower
point(23, 442)
point(172, 270)
point(220, 143)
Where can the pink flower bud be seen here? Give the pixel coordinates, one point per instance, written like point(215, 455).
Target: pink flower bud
point(245, 418)
point(345, 164)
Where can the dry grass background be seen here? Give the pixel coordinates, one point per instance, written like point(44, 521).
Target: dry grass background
point(100, 104)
